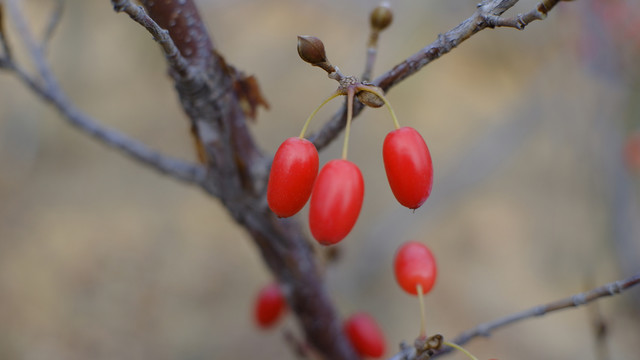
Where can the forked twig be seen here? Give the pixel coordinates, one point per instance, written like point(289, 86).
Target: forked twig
point(46, 86)
point(176, 61)
point(488, 15)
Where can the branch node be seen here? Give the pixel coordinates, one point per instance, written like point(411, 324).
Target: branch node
point(614, 288)
point(484, 330)
point(520, 22)
point(445, 43)
point(579, 299)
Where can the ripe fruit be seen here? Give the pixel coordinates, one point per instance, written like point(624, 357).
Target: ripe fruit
point(293, 172)
point(336, 201)
point(632, 151)
point(407, 162)
point(415, 265)
point(365, 335)
point(269, 306)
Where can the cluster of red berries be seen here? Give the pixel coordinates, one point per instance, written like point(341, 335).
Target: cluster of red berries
point(337, 191)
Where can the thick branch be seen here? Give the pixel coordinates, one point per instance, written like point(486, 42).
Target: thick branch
point(238, 171)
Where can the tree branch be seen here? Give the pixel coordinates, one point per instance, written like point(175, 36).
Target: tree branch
point(485, 329)
point(174, 58)
point(49, 90)
point(54, 20)
point(487, 15)
point(238, 171)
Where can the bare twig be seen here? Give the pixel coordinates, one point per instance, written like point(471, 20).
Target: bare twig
point(54, 20)
point(522, 20)
point(33, 49)
point(487, 15)
point(485, 329)
point(176, 61)
point(48, 89)
point(3, 40)
point(379, 19)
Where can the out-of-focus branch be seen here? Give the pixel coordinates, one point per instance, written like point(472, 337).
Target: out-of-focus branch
point(485, 329)
point(379, 20)
point(6, 50)
point(46, 86)
point(488, 15)
point(54, 20)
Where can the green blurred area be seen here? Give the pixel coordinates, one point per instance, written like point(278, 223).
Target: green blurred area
point(102, 258)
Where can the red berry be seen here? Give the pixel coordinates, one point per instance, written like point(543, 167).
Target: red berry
point(407, 162)
point(632, 151)
point(336, 201)
point(414, 264)
point(293, 172)
point(365, 335)
point(270, 305)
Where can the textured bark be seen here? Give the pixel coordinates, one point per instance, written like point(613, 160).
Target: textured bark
point(238, 171)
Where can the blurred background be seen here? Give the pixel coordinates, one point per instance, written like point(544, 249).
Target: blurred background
point(535, 196)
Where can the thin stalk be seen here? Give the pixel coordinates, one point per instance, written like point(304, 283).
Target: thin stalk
point(306, 123)
point(351, 91)
point(458, 347)
point(423, 316)
point(384, 99)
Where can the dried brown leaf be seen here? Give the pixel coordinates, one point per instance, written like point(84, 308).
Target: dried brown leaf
point(249, 94)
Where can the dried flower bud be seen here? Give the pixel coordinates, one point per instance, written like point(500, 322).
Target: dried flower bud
point(381, 17)
point(370, 99)
point(311, 50)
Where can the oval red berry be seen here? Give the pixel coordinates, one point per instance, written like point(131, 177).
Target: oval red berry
point(269, 306)
point(414, 264)
point(336, 201)
point(293, 172)
point(407, 162)
point(365, 335)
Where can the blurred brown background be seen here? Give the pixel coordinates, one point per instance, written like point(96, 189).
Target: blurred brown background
point(101, 258)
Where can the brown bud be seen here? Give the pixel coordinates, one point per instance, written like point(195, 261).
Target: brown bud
point(311, 50)
point(370, 99)
point(381, 17)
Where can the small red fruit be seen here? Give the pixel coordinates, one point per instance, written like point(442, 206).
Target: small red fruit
point(293, 172)
point(269, 306)
point(415, 265)
point(336, 201)
point(407, 162)
point(365, 335)
point(632, 151)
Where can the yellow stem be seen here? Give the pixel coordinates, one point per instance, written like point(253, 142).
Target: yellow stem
point(458, 347)
point(384, 99)
point(306, 124)
point(350, 93)
point(423, 331)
